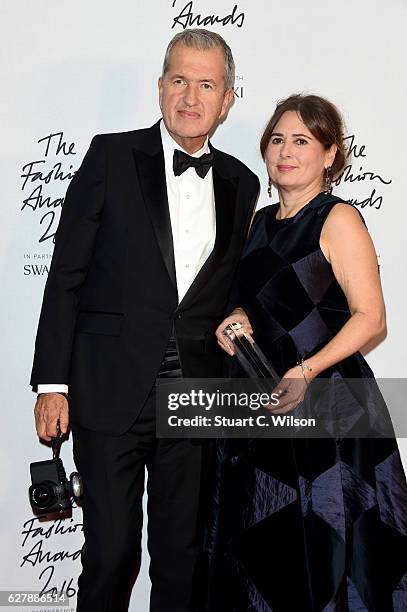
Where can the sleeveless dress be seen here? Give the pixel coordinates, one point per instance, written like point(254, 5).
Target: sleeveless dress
point(303, 525)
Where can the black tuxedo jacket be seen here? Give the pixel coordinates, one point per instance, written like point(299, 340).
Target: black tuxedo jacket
point(110, 301)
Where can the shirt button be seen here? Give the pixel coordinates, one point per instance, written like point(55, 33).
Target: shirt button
point(187, 265)
point(179, 316)
point(187, 196)
point(187, 231)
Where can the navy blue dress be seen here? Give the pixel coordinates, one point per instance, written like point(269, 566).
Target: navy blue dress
point(304, 525)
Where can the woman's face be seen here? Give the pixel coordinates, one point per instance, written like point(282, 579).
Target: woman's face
point(295, 159)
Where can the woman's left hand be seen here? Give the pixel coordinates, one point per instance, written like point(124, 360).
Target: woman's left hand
point(291, 390)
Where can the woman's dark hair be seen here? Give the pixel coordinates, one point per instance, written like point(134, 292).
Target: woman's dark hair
point(321, 117)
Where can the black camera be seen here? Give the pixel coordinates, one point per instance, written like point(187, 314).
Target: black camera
point(51, 491)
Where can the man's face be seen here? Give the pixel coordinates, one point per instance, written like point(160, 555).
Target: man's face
point(192, 94)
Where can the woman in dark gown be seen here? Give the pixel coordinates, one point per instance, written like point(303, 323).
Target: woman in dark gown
point(308, 525)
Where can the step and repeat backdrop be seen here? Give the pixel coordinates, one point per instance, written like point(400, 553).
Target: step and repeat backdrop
point(72, 70)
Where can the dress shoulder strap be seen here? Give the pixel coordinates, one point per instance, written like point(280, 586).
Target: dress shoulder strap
point(327, 204)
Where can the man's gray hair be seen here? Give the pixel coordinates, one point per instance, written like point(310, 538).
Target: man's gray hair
point(203, 40)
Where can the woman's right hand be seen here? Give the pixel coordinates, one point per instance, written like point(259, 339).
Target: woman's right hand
point(236, 316)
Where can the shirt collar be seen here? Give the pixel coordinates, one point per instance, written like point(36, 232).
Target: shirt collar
point(169, 144)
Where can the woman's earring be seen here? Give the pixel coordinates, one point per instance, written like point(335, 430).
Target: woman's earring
point(328, 181)
point(269, 188)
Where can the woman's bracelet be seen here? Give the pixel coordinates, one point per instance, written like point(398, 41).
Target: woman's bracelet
point(304, 368)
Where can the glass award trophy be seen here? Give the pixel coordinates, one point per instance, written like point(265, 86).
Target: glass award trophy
point(249, 355)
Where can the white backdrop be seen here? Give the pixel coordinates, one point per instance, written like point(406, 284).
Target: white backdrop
point(70, 70)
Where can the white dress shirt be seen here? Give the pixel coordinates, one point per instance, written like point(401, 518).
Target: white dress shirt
point(192, 212)
point(191, 202)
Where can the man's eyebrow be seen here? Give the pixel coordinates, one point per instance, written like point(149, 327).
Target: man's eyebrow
point(182, 76)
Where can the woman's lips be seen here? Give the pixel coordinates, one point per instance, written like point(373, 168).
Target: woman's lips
point(285, 168)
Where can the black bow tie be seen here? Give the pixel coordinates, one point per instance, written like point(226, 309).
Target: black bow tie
point(182, 161)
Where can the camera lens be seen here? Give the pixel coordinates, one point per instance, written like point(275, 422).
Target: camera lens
point(43, 495)
point(76, 486)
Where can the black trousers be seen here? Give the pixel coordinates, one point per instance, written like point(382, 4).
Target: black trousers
point(113, 470)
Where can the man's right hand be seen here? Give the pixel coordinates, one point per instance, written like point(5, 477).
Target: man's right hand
point(49, 409)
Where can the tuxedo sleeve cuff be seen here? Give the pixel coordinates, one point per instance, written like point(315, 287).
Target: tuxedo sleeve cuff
point(52, 388)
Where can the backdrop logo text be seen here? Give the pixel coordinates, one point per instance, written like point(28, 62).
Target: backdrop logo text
point(41, 178)
point(188, 18)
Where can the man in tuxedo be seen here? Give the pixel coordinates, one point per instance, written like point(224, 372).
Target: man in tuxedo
point(150, 234)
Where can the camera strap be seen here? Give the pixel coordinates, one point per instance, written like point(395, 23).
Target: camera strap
point(56, 444)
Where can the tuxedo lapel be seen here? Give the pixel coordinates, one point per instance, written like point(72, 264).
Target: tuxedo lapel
point(149, 161)
point(225, 191)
